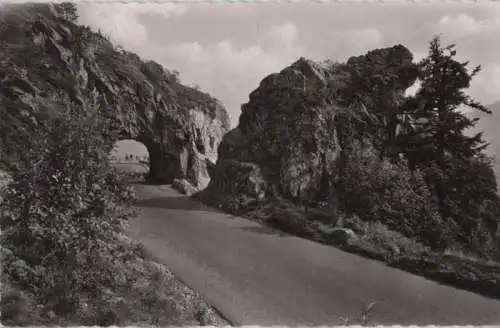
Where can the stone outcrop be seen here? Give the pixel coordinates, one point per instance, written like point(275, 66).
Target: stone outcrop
point(291, 132)
point(44, 54)
point(184, 187)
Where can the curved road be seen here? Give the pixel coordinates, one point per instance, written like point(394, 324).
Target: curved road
point(255, 276)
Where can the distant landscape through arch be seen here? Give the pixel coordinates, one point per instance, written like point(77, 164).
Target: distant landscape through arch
point(130, 155)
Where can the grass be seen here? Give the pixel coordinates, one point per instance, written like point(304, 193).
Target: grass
point(151, 296)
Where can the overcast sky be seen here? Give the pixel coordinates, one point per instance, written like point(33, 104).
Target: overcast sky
point(227, 48)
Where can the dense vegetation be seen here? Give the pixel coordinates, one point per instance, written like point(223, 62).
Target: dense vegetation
point(406, 181)
point(63, 209)
point(425, 177)
point(65, 257)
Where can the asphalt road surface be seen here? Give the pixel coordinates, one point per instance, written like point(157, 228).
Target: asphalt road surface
point(256, 276)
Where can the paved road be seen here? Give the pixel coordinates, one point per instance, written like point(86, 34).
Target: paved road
point(255, 276)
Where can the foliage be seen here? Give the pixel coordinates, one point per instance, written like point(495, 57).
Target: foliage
point(438, 126)
point(392, 241)
point(470, 200)
point(390, 193)
point(64, 207)
point(67, 10)
point(453, 163)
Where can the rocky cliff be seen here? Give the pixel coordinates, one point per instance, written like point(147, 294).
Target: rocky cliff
point(292, 131)
point(44, 54)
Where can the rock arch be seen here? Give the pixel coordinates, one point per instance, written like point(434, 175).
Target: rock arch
point(180, 126)
point(179, 149)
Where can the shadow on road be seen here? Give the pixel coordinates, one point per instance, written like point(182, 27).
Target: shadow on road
point(174, 203)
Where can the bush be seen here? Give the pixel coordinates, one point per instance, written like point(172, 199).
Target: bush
point(471, 201)
point(64, 208)
point(289, 220)
point(392, 241)
point(390, 193)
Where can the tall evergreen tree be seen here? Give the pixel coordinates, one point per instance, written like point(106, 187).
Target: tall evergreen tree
point(435, 141)
point(438, 126)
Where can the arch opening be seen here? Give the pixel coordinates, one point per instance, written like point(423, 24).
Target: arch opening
point(131, 156)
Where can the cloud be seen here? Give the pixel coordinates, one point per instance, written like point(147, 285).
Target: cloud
point(359, 39)
point(486, 84)
point(121, 22)
point(463, 25)
point(228, 49)
point(221, 67)
point(280, 38)
point(343, 43)
point(477, 40)
point(230, 72)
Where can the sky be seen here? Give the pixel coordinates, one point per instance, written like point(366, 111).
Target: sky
point(228, 48)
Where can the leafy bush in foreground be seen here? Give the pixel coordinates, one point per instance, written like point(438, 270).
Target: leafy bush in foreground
point(63, 210)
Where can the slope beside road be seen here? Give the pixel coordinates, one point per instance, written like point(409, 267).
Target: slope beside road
point(254, 275)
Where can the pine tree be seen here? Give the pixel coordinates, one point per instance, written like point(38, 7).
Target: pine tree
point(435, 141)
point(438, 126)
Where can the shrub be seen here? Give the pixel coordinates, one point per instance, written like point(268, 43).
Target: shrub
point(390, 193)
point(378, 234)
point(64, 208)
point(471, 201)
point(289, 220)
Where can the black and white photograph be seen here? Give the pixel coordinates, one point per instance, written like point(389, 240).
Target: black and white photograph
point(250, 163)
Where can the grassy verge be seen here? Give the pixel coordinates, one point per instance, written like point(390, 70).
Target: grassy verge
point(375, 241)
point(149, 295)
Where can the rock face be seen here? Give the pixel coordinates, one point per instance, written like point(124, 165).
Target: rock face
point(291, 132)
point(5, 179)
point(43, 54)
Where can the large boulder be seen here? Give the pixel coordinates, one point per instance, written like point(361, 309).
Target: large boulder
point(292, 130)
point(341, 236)
point(184, 187)
point(44, 55)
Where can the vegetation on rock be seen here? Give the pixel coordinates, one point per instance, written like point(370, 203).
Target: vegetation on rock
point(344, 140)
point(65, 258)
point(455, 166)
point(63, 210)
point(46, 52)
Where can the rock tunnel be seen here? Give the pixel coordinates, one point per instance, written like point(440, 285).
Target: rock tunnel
point(177, 151)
